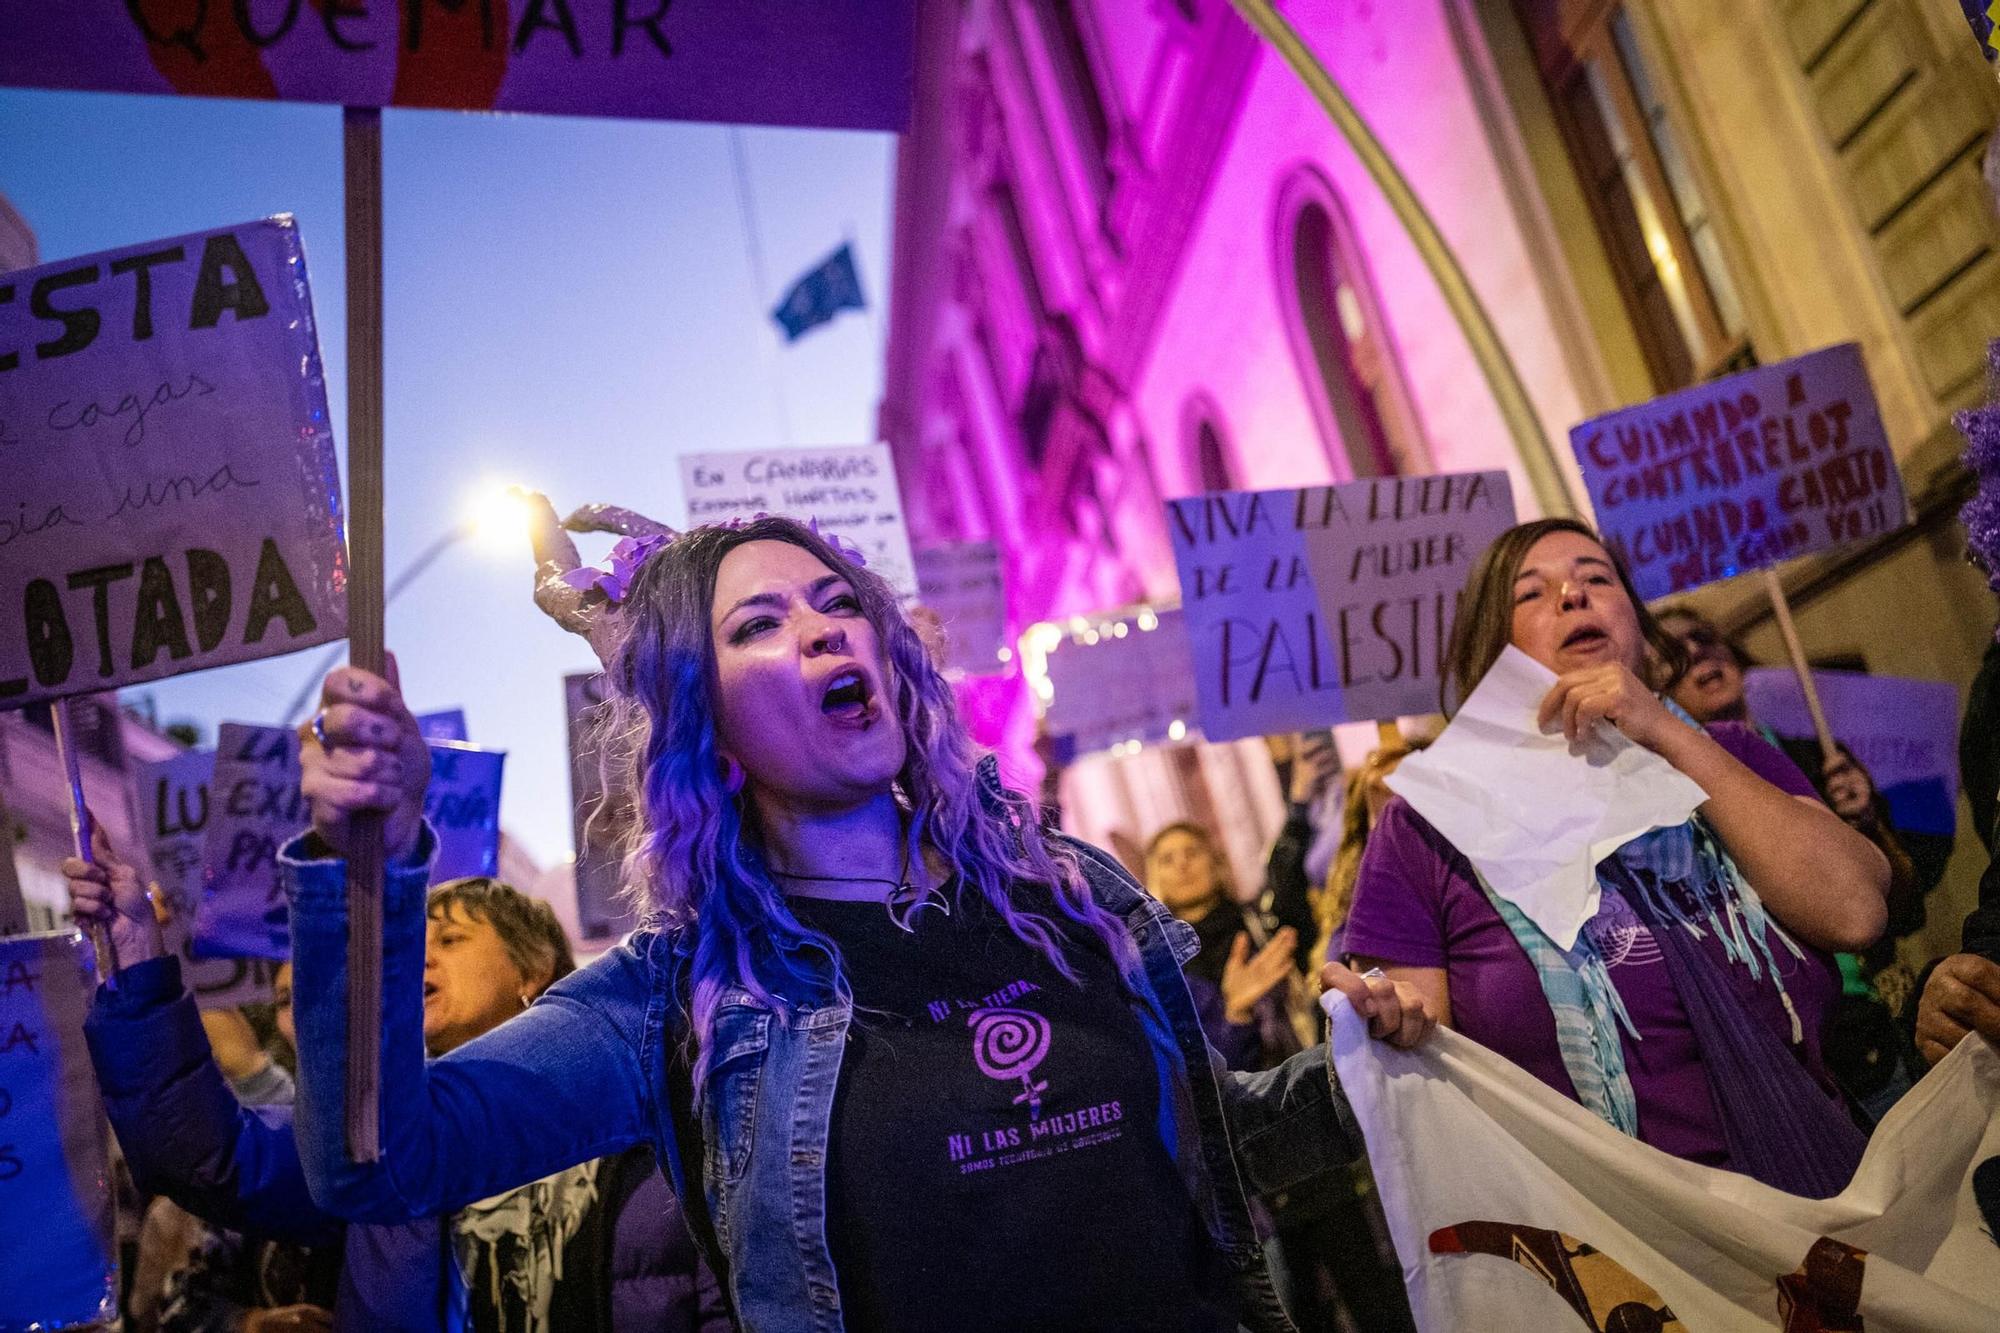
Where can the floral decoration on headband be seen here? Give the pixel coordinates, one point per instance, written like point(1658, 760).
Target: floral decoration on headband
point(848, 550)
point(613, 579)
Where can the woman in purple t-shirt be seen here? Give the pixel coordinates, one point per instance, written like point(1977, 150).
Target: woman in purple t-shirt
point(1689, 1012)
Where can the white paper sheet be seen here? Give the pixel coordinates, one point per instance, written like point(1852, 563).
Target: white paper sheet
point(1533, 815)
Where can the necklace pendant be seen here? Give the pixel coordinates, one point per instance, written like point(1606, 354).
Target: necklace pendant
point(906, 900)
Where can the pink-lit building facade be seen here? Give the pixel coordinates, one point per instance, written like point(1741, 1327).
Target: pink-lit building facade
point(1135, 260)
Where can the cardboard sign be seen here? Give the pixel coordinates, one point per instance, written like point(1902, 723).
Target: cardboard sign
point(1904, 732)
point(171, 805)
point(256, 808)
point(1117, 687)
point(838, 63)
point(171, 501)
point(58, 1244)
point(850, 491)
point(463, 806)
point(1743, 472)
point(1328, 603)
point(961, 583)
point(599, 817)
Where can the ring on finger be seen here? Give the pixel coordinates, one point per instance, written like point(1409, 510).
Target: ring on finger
point(319, 729)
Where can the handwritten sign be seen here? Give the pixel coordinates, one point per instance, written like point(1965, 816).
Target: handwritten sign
point(170, 497)
point(849, 490)
point(838, 63)
point(255, 808)
point(600, 815)
point(463, 807)
point(1125, 681)
point(1904, 732)
point(1743, 472)
point(961, 583)
point(171, 801)
point(58, 1249)
point(1327, 603)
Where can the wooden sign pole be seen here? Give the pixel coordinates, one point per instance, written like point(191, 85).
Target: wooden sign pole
point(1781, 609)
point(1389, 733)
point(362, 153)
point(81, 829)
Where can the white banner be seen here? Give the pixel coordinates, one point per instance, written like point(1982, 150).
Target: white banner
point(1515, 1210)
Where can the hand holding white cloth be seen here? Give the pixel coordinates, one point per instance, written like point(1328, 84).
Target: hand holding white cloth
point(1533, 815)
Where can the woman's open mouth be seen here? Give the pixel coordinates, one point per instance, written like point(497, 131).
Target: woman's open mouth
point(1585, 638)
point(849, 699)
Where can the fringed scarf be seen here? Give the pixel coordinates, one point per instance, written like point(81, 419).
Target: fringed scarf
point(1780, 1125)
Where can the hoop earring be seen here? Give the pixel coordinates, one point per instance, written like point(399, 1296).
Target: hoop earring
point(732, 775)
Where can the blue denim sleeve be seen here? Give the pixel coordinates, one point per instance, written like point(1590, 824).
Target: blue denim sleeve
point(183, 1132)
point(559, 1084)
point(1290, 1123)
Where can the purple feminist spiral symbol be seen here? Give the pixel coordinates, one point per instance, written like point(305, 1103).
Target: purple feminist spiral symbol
point(1008, 1044)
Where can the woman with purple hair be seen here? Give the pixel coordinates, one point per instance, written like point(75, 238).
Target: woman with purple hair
point(909, 1060)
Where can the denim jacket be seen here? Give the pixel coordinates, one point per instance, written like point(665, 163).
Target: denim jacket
point(592, 1068)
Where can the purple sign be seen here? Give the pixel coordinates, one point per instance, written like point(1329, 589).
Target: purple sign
point(463, 806)
point(1904, 732)
point(448, 725)
point(171, 807)
point(58, 1235)
point(844, 64)
point(1743, 472)
point(1327, 603)
point(171, 500)
point(600, 812)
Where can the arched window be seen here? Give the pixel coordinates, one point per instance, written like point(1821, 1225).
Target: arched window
point(1207, 450)
point(1349, 365)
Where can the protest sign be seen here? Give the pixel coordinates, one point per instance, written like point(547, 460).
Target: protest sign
point(1743, 472)
point(843, 64)
point(1514, 1210)
point(255, 808)
point(1327, 603)
point(171, 496)
point(1904, 732)
point(463, 806)
point(448, 725)
point(171, 807)
point(1124, 681)
point(600, 815)
point(961, 584)
point(13, 907)
point(58, 1246)
point(849, 490)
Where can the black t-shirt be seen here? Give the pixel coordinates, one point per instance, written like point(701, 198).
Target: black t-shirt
point(996, 1159)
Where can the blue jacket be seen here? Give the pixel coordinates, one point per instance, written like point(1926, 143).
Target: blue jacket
point(185, 1136)
point(590, 1069)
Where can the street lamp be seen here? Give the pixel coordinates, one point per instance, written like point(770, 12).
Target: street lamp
point(497, 514)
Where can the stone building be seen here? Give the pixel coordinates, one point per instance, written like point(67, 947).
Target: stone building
point(1134, 260)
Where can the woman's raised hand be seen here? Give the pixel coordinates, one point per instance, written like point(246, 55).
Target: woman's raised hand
point(1608, 693)
point(362, 752)
point(1247, 979)
point(572, 607)
point(1397, 1012)
point(109, 893)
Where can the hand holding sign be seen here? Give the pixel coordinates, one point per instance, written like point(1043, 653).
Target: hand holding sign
point(106, 892)
point(373, 759)
point(573, 606)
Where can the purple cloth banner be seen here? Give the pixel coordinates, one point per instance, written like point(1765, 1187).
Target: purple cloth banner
point(844, 64)
point(1328, 603)
point(58, 1248)
point(1749, 470)
point(171, 499)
